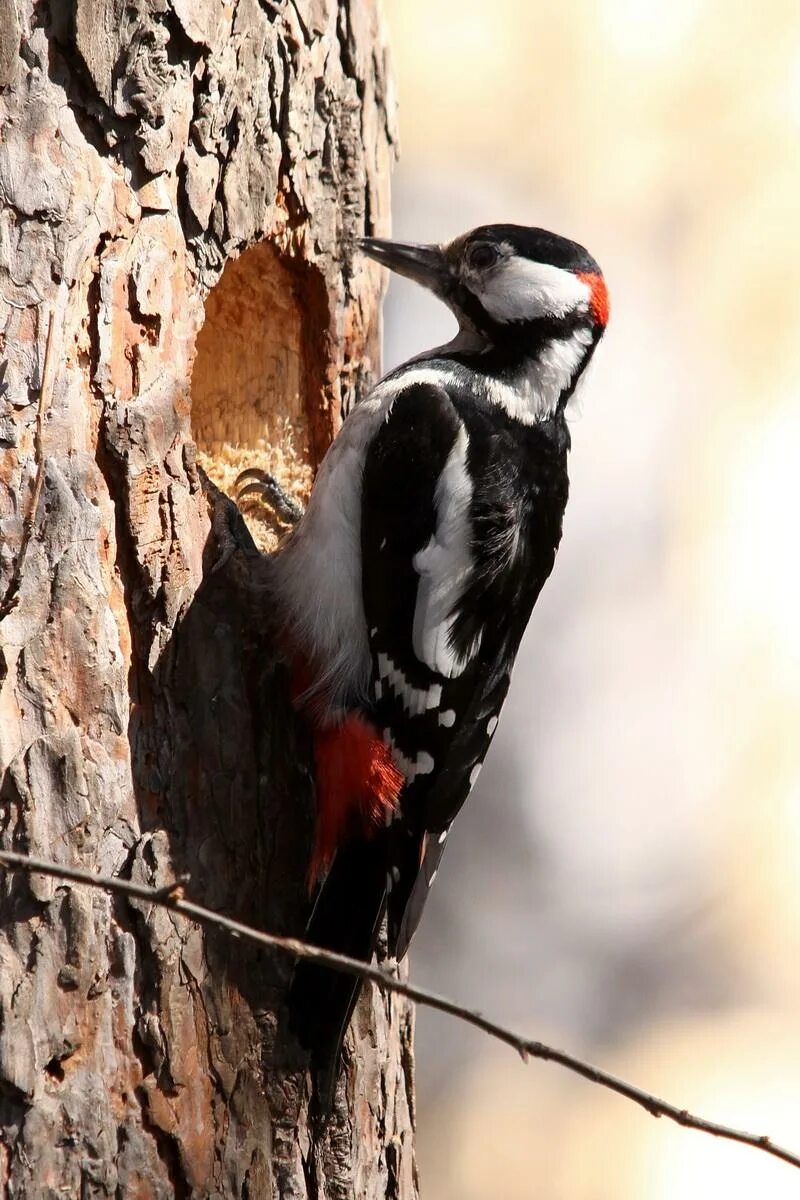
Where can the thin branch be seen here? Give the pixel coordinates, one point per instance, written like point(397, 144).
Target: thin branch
point(170, 897)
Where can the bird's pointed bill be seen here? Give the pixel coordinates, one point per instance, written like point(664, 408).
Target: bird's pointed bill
point(426, 265)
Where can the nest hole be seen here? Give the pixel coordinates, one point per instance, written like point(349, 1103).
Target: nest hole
point(257, 379)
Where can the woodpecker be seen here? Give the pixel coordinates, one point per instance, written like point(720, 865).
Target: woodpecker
point(406, 586)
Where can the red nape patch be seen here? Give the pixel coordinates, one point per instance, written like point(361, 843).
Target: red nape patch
point(599, 302)
point(358, 785)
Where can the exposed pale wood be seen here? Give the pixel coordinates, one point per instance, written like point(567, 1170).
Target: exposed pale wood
point(144, 725)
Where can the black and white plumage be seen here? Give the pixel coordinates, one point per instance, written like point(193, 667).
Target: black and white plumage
point(406, 587)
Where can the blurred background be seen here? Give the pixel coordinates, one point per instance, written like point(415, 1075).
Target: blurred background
point(624, 880)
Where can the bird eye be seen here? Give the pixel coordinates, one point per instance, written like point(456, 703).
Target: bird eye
point(482, 255)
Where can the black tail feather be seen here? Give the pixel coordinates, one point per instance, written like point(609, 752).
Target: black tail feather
point(346, 918)
point(417, 860)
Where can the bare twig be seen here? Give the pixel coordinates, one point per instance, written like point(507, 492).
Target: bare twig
point(11, 597)
point(172, 891)
point(170, 897)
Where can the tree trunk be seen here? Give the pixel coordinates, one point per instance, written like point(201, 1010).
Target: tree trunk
point(162, 162)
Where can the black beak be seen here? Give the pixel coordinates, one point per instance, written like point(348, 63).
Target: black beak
point(426, 265)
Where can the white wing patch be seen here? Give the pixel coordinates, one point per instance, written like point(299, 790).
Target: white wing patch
point(444, 566)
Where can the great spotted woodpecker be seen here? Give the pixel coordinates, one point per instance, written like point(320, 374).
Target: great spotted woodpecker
point(406, 586)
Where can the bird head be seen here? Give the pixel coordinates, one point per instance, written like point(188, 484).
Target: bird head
point(503, 281)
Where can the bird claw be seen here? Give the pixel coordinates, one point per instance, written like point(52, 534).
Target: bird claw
point(255, 482)
point(227, 525)
point(223, 518)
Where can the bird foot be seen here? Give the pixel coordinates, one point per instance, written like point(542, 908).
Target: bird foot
point(231, 535)
point(255, 482)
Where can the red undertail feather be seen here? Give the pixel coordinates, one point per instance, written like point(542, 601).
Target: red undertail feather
point(358, 786)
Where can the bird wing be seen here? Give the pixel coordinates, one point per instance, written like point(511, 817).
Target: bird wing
point(440, 673)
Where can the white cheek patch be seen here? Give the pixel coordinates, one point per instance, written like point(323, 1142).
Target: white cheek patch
point(521, 290)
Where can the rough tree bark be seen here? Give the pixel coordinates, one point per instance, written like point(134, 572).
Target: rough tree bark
point(144, 726)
